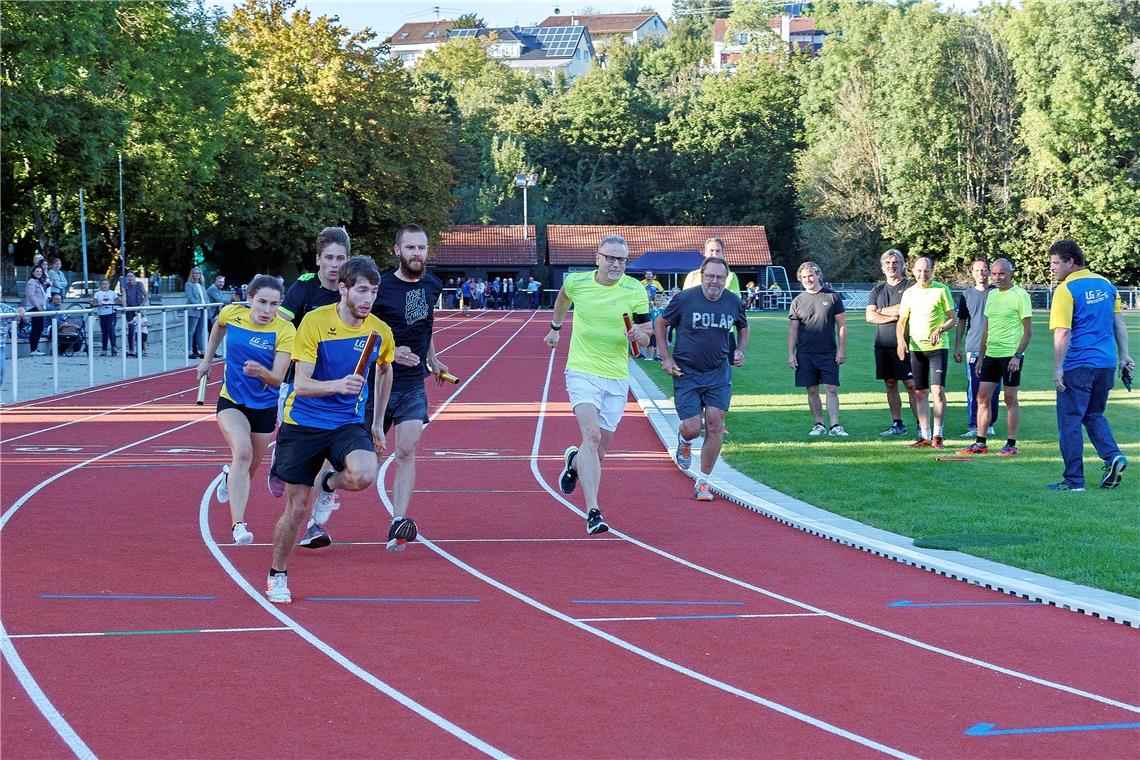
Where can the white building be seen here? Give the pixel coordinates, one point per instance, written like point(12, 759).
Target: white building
point(412, 41)
point(539, 50)
point(795, 35)
point(604, 28)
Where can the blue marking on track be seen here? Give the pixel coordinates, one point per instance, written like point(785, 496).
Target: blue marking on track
point(646, 601)
point(381, 599)
point(908, 603)
point(121, 596)
point(987, 729)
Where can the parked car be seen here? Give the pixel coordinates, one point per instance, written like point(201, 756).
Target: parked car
point(82, 288)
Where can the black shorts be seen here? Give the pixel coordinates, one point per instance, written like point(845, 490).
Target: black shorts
point(996, 370)
point(698, 390)
point(260, 420)
point(929, 368)
point(888, 365)
point(302, 451)
point(403, 405)
point(814, 369)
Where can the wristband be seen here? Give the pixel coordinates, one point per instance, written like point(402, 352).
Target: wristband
point(556, 327)
point(1019, 356)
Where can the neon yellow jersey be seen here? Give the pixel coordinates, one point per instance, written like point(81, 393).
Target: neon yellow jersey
point(693, 280)
point(927, 308)
point(246, 340)
point(1004, 312)
point(597, 340)
point(333, 348)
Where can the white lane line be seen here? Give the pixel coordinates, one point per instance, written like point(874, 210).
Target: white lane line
point(698, 617)
point(804, 605)
point(621, 643)
point(23, 675)
point(80, 634)
point(318, 644)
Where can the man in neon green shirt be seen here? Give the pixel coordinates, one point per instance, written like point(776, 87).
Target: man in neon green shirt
point(1008, 328)
point(597, 371)
point(928, 308)
point(713, 248)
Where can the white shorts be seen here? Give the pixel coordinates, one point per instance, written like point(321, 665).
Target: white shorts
point(605, 394)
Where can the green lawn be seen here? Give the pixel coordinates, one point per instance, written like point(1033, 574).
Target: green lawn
point(990, 507)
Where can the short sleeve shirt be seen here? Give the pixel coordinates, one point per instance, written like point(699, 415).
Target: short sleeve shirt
point(971, 309)
point(304, 295)
point(409, 309)
point(245, 341)
point(598, 345)
point(816, 314)
point(927, 308)
point(882, 296)
point(704, 328)
point(1005, 310)
point(333, 348)
point(693, 280)
point(1085, 303)
point(105, 301)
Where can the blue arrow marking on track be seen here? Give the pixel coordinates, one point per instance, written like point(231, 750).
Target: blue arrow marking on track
point(987, 729)
point(908, 603)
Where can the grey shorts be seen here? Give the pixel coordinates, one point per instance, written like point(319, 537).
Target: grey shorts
point(697, 390)
point(403, 405)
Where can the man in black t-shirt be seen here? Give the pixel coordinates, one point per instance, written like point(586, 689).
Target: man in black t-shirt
point(883, 312)
point(704, 319)
point(406, 303)
point(813, 320)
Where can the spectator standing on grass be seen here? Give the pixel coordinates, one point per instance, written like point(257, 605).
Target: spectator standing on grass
point(35, 300)
point(883, 312)
point(704, 319)
point(928, 309)
point(815, 318)
point(652, 285)
point(104, 300)
point(713, 247)
point(57, 278)
point(195, 318)
point(217, 294)
point(1090, 343)
point(971, 323)
point(134, 294)
point(1005, 336)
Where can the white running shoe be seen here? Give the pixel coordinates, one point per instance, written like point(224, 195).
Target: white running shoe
point(277, 589)
point(837, 431)
point(223, 492)
point(818, 429)
point(323, 508)
point(242, 536)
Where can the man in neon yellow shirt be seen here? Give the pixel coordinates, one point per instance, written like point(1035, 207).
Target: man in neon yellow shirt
point(928, 308)
point(597, 371)
point(1005, 336)
point(713, 248)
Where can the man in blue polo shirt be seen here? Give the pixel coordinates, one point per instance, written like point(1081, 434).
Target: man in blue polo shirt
point(1090, 341)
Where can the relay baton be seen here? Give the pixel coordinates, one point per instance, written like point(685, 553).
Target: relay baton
point(633, 346)
point(445, 376)
point(202, 389)
point(362, 362)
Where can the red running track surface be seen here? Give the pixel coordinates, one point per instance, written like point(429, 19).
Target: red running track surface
point(691, 630)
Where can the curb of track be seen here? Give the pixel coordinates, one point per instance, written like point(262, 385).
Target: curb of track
point(757, 497)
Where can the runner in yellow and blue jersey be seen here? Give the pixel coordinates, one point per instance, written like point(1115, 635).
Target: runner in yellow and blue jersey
point(324, 412)
point(597, 372)
point(258, 346)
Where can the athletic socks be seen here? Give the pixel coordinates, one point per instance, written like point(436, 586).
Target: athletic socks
point(938, 430)
point(1010, 441)
point(325, 481)
point(273, 572)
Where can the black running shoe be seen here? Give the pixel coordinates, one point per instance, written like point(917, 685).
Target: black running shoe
point(400, 533)
point(569, 478)
point(595, 523)
point(1113, 470)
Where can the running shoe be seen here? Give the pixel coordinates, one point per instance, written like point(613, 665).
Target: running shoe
point(400, 532)
point(1113, 470)
point(684, 453)
point(971, 433)
point(921, 443)
point(569, 477)
point(242, 536)
point(1008, 451)
point(818, 429)
point(277, 589)
point(937, 443)
point(276, 485)
point(223, 492)
point(315, 537)
point(894, 429)
point(702, 492)
point(1063, 486)
point(838, 431)
point(974, 449)
point(595, 523)
point(990, 431)
point(323, 507)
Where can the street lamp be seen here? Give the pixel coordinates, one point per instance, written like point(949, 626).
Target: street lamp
point(524, 181)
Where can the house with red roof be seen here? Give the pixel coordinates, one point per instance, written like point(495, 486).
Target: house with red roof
point(788, 33)
point(413, 40)
point(604, 28)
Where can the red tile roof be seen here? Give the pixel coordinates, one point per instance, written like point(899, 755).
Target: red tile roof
point(720, 25)
point(576, 244)
point(486, 245)
point(417, 32)
point(609, 23)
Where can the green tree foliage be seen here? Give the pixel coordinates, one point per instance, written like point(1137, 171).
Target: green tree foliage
point(469, 21)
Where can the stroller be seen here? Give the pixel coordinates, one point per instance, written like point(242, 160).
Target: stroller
point(72, 336)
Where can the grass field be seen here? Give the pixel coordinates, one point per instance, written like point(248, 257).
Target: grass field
point(991, 507)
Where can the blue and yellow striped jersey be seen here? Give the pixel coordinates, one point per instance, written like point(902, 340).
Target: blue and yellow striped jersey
point(246, 340)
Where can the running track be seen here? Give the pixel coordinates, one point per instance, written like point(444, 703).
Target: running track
point(691, 630)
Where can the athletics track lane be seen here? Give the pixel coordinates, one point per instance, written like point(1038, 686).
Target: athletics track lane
point(454, 647)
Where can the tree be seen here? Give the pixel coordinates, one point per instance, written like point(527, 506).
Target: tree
point(469, 21)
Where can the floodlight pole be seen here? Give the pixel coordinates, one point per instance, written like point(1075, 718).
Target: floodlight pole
point(525, 181)
point(83, 237)
point(122, 232)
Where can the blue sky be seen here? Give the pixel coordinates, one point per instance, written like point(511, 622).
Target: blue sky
point(386, 16)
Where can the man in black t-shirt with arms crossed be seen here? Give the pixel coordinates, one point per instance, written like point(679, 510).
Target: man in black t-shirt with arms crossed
point(704, 319)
